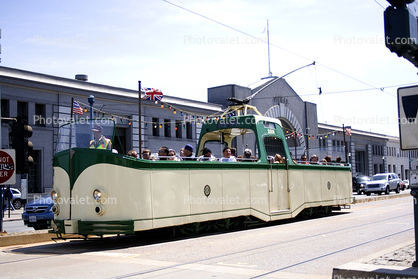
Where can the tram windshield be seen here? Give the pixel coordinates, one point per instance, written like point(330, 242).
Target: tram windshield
point(80, 134)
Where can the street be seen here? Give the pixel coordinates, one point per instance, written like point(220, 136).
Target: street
point(286, 249)
point(14, 223)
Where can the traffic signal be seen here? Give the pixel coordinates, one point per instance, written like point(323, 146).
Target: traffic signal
point(19, 138)
point(401, 30)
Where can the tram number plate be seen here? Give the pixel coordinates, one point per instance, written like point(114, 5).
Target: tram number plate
point(32, 219)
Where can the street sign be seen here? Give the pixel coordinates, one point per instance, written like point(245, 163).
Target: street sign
point(408, 120)
point(7, 166)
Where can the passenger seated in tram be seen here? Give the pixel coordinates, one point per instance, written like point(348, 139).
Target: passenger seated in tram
point(132, 153)
point(278, 159)
point(328, 159)
point(227, 155)
point(234, 152)
point(339, 161)
point(163, 153)
point(304, 160)
point(146, 154)
point(314, 159)
point(207, 155)
point(188, 153)
point(247, 155)
point(173, 156)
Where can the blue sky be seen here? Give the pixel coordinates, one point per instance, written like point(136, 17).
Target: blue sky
point(183, 53)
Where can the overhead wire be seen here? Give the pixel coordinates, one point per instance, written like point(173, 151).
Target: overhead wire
point(296, 54)
point(379, 4)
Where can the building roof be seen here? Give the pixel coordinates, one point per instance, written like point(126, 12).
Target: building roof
point(103, 89)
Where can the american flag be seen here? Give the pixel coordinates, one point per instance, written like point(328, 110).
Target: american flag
point(152, 94)
point(77, 109)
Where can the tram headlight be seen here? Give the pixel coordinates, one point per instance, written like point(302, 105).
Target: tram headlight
point(54, 195)
point(99, 195)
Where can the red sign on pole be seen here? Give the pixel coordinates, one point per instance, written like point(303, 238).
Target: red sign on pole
point(7, 166)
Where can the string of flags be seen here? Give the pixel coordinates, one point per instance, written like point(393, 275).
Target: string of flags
point(188, 116)
point(294, 134)
point(156, 95)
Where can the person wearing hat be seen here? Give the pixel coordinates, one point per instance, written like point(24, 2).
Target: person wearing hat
point(247, 153)
point(100, 142)
point(188, 153)
point(207, 155)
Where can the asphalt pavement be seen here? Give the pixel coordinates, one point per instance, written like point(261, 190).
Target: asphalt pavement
point(393, 262)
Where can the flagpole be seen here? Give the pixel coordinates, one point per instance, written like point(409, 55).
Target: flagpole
point(72, 108)
point(140, 118)
point(71, 120)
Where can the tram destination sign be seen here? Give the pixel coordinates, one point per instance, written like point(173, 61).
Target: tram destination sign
point(7, 166)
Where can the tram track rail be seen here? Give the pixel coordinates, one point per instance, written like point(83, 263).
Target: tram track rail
point(281, 243)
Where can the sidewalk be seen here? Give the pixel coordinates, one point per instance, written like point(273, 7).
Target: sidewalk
point(14, 215)
point(393, 262)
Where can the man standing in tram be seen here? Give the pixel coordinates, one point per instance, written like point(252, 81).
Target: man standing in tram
point(100, 141)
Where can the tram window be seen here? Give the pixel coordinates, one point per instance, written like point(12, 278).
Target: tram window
point(269, 125)
point(274, 146)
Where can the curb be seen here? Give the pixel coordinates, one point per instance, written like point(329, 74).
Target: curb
point(375, 198)
point(24, 238)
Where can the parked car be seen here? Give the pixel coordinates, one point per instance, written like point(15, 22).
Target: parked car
point(407, 186)
point(17, 198)
point(383, 183)
point(359, 183)
point(38, 213)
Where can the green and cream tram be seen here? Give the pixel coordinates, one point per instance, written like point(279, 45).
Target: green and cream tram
point(98, 192)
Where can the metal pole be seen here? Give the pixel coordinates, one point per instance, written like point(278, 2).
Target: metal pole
point(140, 118)
point(345, 145)
point(1, 207)
point(268, 47)
point(91, 101)
point(414, 193)
point(413, 175)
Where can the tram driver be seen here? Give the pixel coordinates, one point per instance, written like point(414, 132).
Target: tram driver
point(100, 141)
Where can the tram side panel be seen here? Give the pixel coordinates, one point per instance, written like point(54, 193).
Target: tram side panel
point(259, 194)
point(168, 191)
point(236, 193)
point(205, 197)
point(297, 191)
point(313, 193)
point(279, 196)
point(344, 193)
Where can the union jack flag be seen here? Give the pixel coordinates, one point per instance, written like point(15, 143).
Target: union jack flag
point(152, 94)
point(77, 109)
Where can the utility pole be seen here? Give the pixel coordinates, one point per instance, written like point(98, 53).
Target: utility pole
point(140, 118)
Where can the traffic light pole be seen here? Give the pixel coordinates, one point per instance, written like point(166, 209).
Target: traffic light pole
point(413, 175)
point(1, 207)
